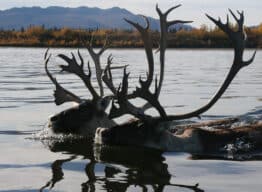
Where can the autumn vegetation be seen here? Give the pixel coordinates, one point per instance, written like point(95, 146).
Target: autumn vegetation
point(203, 37)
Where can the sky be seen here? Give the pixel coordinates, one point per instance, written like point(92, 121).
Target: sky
point(190, 10)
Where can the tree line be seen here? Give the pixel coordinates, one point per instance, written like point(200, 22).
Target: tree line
point(203, 37)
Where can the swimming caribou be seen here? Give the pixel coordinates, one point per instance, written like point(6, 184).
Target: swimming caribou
point(89, 117)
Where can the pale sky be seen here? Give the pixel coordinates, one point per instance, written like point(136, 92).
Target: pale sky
point(190, 10)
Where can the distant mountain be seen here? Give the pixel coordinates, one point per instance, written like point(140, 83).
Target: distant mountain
point(81, 17)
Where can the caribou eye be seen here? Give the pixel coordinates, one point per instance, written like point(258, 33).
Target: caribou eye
point(54, 118)
point(104, 103)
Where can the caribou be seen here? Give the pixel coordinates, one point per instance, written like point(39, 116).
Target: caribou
point(90, 118)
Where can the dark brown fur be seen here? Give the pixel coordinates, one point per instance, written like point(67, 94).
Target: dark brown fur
point(192, 139)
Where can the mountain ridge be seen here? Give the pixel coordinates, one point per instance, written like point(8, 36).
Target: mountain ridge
point(79, 17)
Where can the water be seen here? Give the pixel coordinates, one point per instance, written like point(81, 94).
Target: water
point(192, 77)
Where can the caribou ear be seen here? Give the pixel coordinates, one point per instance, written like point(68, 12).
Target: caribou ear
point(103, 103)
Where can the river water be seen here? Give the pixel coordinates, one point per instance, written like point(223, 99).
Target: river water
point(192, 77)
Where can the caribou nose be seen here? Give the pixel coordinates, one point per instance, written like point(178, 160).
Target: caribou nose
point(102, 132)
point(102, 135)
point(98, 130)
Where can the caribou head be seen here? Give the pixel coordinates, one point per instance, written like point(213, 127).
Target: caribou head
point(89, 113)
point(146, 130)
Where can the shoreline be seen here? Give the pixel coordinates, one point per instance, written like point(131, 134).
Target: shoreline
point(123, 47)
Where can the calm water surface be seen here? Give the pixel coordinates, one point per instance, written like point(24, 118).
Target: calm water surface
point(192, 77)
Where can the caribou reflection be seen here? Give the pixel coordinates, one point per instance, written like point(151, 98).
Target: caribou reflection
point(124, 167)
point(57, 172)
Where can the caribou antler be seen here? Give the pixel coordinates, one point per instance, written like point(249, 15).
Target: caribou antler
point(121, 94)
point(107, 74)
point(125, 107)
point(238, 39)
point(78, 69)
point(107, 77)
point(61, 94)
point(144, 91)
point(164, 27)
point(96, 58)
point(147, 40)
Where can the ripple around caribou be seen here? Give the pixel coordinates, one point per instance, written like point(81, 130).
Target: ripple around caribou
point(74, 164)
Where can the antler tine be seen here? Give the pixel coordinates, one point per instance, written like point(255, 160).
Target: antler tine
point(105, 47)
point(158, 10)
point(227, 23)
point(101, 51)
point(107, 76)
point(213, 19)
point(223, 27)
point(156, 87)
point(138, 26)
point(46, 53)
point(96, 59)
point(107, 68)
point(47, 58)
point(75, 68)
point(146, 20)
point(81, 59)
point(61, 94)
point(171, 9)
point(233, 14)
point(241, 13)
point(124, 89)
point(163, 17)
point(240, 21)
point(174, 22)
point(89, 70)
point(90, 44)
point(168, 11)
point(246, 63)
